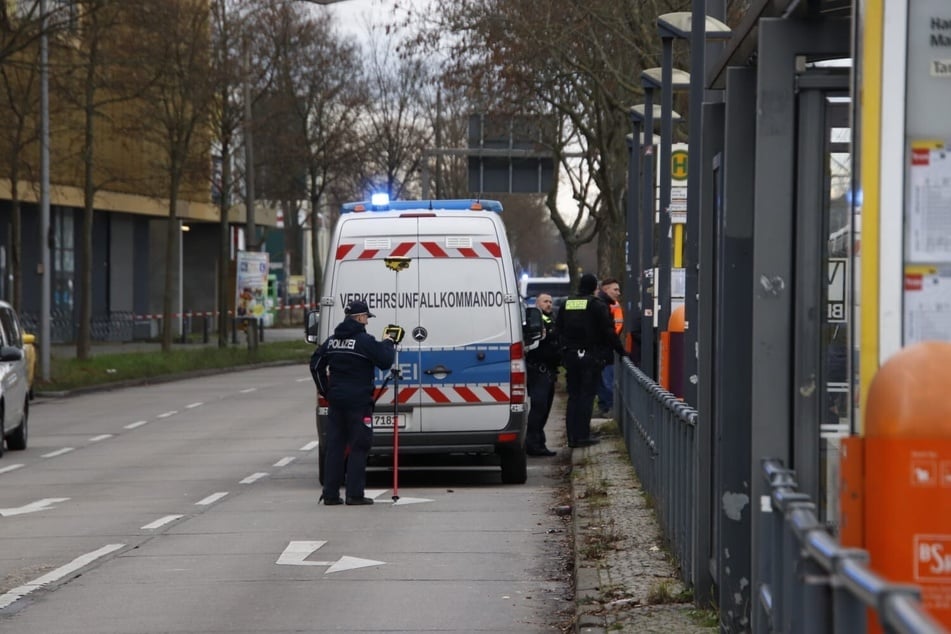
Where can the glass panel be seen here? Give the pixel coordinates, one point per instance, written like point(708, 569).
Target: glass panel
point(837, 319)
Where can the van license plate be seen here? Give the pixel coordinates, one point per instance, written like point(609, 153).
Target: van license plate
point(386, 420)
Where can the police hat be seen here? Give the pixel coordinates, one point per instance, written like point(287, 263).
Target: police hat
point(356, 307)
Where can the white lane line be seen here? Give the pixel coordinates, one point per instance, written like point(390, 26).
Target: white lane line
point(194, 405)
point(162, 521)
point(137, 423)
point(311, 445)
point(100, 437)
point(55, 575)
point(58, 452)
point(167, 414)
point(9, 468)
point(304, 379)
point(248, 390)
point(211, 499)
point(254, 477)
point(283, 462)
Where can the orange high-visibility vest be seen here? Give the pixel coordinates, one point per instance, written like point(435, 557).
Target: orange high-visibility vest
point(618, 314)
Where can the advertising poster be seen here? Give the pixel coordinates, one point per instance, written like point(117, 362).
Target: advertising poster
point(251, 286)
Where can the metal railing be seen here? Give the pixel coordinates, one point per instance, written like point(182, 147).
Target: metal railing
point(816, 585)
point(813, 583)
point(660, 431)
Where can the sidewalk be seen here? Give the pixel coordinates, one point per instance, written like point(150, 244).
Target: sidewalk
point(625, 580)
point(271, 335)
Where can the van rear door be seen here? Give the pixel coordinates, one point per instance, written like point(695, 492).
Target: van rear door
point(463, 334)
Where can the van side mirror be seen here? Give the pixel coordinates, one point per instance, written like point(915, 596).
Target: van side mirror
point(533, 328)
point(311, 325)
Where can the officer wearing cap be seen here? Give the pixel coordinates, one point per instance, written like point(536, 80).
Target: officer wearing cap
point(342, 368)
point(588, 343)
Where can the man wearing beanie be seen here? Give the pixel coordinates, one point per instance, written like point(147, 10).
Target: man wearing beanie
point(588, 343)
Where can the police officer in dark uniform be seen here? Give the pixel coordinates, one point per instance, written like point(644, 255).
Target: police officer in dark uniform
point(543, 363)
point(588, 342)
point(342, 368)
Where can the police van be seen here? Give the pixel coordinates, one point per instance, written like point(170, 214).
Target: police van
point(442, 270)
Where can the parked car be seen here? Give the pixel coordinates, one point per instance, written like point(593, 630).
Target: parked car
point(14, 381)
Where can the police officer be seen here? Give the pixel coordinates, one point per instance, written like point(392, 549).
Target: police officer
point(543, 363)
point(342, 368)
point(588, 342)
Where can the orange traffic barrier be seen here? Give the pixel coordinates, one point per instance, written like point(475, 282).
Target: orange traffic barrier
point(896, 484)
point(671, 364)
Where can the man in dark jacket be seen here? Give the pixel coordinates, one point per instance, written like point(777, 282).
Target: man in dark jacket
point(543, 364)
point(343, 368)
point(588, 342)
point(610, 294)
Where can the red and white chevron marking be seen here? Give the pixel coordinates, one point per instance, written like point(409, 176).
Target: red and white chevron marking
point(413, 249)
point(449, 394)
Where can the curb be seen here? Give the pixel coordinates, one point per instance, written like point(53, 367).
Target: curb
point(587, 579)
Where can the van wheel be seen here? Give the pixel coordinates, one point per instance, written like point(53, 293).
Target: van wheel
point(321, 459)
point(514, 466)
point(17, 440)
point(3, 434)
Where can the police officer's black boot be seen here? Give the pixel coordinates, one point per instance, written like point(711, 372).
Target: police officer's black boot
point(358, 501)
point(329, 501)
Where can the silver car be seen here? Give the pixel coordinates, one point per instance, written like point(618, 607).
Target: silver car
point(14, 381)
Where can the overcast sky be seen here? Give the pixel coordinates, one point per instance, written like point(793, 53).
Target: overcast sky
point(352, 14)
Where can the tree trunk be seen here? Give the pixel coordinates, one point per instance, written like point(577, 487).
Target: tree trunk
point(171, 264)
point(16, 249)
point(224, 247)
point(84, 338)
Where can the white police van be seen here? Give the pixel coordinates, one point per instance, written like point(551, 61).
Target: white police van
point(441, 269)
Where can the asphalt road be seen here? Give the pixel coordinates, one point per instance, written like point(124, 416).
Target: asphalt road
point(191, 507)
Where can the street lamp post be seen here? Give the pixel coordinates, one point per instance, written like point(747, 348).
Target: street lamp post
point(667, 79)
point(697, 28)
point(640, 231)
point(633, 270)
point(647, 237)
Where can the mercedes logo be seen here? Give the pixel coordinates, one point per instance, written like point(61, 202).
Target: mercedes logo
point(419, 333)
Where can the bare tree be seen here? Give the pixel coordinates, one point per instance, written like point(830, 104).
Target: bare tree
point(580, 62)
point(396, 128)
point(318, 96)
point(20, 29)
point(176, 113)
point(20, 86)
point(229, 26)
point(93, 64)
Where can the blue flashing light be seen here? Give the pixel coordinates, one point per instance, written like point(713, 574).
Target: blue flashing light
point(380, 200)
point(463, 204)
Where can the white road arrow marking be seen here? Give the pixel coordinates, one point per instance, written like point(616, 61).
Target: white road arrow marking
point(376, 493)
point(296, 554)
point(32, 507)
point(401, 501)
